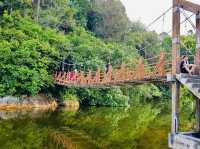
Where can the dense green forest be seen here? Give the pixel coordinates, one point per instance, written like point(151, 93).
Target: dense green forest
point(36, 36)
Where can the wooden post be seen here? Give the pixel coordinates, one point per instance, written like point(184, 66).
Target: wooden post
point(197, 62)
point(140, 71)
point(198, 115)
point(97, 76)
point(197, 55)
point(175, 65)
point(89, 77)
point(176, 38)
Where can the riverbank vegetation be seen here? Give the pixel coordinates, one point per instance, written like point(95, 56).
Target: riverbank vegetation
point(36, 37)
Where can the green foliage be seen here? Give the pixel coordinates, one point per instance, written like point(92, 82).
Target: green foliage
point(189, 42)
point(57, 14)
point(93, 52)
point(29, 55)
point(112, 22)
point(187, 100)
point(167, 44)
point(69, 95)
point(147, 43)
point(30, 52)
point(143, 93)
point(115, 97)
point(104, 97)
point(83, 7)
point(137, 27)
point(12, 5)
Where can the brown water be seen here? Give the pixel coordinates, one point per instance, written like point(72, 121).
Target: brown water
point(139, 127)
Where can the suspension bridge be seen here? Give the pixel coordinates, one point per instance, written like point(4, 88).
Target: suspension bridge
point(149, 70)
point(165, 67)
point(140, 73)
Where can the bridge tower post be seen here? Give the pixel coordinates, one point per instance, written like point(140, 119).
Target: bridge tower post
point(175, 65)
point(197, 62)
point(181, 140)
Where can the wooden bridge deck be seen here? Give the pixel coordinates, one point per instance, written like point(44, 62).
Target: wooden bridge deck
point(112, 84)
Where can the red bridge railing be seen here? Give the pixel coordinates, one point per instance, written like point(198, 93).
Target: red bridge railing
point(143, 71)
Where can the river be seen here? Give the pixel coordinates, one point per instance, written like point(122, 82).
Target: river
point(137, 127)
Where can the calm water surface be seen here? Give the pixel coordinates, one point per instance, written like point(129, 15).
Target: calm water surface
point(140, 127)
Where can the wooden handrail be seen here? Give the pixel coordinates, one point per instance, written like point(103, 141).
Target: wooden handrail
point(114, 76)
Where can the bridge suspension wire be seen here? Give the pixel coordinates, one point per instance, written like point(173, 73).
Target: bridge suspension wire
point(182, 22)
point(156, 67)
point(190, 21)
point(159, 17)
point(141, 49)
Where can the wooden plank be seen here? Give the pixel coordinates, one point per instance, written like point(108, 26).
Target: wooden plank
point(189, 6)
point(197, 62)
point(111, 84)
point(175, 38)
point(185, 141)
point(189, 86)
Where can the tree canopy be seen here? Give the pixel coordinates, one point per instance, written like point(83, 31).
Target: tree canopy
point(36, 36)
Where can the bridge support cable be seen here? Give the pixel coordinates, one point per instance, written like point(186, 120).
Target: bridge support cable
point(159, 17)
point(190, 21)
point(115, 76)
point(197, 56)
point(86, 78)
point(182, 22)
point(197, 30)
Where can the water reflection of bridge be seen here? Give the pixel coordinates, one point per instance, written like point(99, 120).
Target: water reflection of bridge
point(73, 139)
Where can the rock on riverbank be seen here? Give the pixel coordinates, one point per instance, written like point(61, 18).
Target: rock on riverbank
point(39, 101)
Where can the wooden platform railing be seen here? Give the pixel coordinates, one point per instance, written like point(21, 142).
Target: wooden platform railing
point(123, 74)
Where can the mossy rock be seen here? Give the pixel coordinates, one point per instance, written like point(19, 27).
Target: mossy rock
point(71, 103)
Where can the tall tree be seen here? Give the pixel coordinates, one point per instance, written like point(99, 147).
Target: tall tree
point(114, 22)
point(57, 14)
point(36, 5)
point(11, 5)
point(82, 8)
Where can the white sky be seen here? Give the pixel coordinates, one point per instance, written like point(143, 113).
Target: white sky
point(147, 10)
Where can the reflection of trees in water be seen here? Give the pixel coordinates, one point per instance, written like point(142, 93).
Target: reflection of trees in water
point(116, 128)
point(11, 114)
point(156, 136)
point(24, 131)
